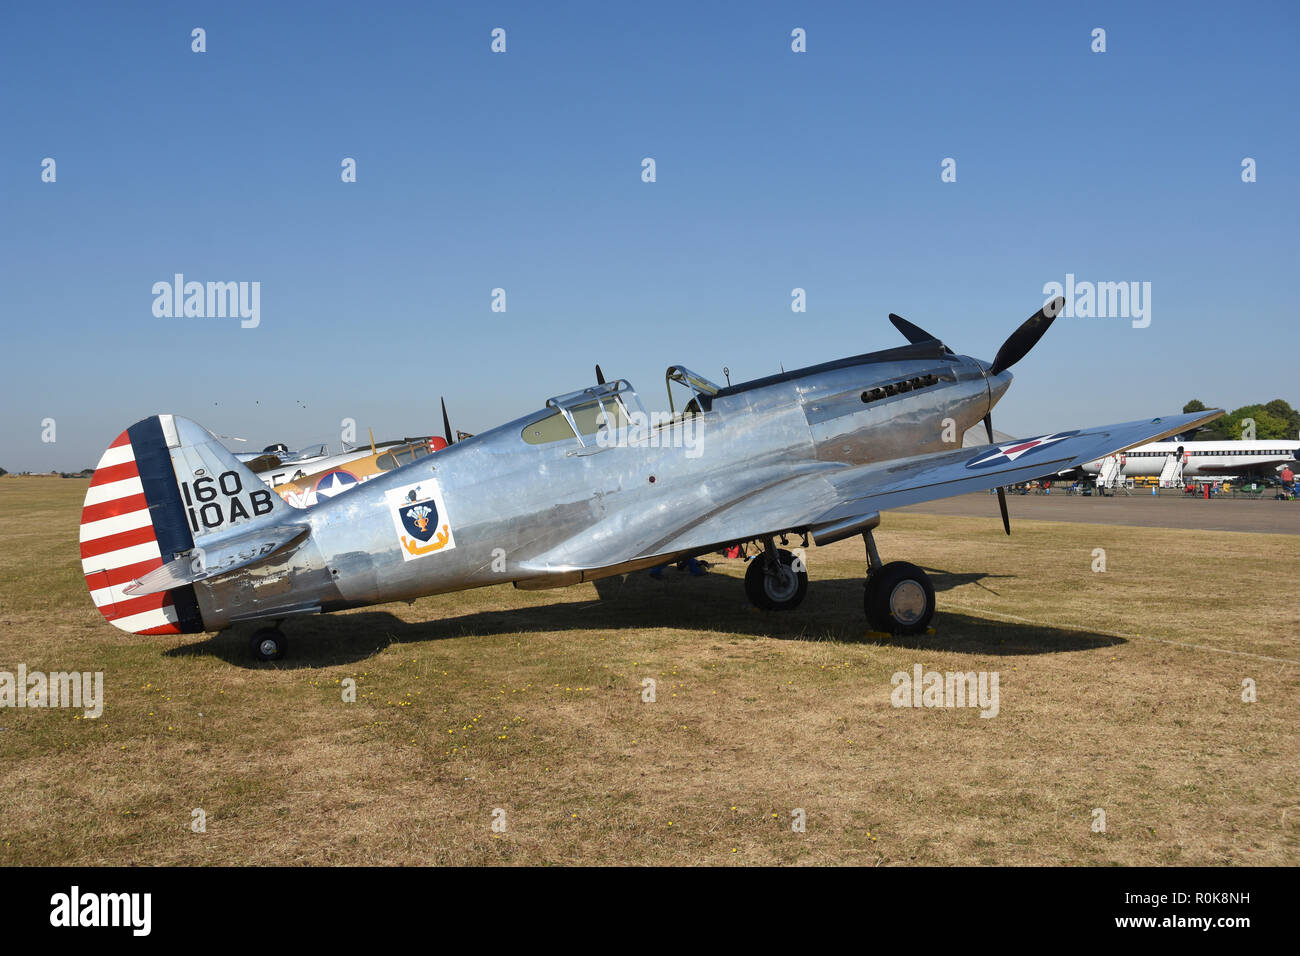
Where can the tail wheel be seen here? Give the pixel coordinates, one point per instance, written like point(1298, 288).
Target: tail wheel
point(899, 599)
point(268, 644)
point(778, 588)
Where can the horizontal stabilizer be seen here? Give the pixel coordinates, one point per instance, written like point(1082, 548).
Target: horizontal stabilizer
point(218, 558)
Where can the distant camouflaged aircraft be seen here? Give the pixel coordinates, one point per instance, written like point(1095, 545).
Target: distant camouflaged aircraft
point(312, 489)
point(177, 536)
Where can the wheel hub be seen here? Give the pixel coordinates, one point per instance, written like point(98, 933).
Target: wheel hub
point(268, 647)
point(781, 583)
point(907, 602)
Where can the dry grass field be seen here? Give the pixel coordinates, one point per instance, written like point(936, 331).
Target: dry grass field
point(1119, 691)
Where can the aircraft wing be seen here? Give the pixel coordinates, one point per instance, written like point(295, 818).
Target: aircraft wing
point(867, 488)
point(838, 494)
point(775, 497)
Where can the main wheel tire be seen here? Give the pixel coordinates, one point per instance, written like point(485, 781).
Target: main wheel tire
point(776, 590)
point(268, 644)
point(899, 599)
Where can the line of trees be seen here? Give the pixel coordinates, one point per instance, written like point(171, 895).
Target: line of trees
point(84, 473)
point(1272, 420)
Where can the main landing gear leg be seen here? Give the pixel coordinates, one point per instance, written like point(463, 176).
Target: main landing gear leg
point(775, 580)
point(898, 597)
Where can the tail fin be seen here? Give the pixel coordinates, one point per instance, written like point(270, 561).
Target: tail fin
point(163, 486)
point(218, 492)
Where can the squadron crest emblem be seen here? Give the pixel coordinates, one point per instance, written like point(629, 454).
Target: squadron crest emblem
point(420, 520)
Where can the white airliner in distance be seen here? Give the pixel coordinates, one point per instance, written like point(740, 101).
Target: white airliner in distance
point(1173, 461)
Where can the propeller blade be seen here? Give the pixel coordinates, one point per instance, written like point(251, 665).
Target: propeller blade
point(600, 376)
point(1002, 503)
point(1002, 494)
point(1023, 339)
point(446, 424)
point(913, 333)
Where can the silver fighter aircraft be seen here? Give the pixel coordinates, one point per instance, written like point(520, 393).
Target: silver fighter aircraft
point(177, 536)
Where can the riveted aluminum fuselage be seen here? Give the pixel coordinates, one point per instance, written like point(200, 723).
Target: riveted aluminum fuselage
point(535, 514)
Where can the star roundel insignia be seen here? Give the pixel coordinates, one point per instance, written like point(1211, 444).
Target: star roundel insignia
point(336, 482)
point(1007, 452)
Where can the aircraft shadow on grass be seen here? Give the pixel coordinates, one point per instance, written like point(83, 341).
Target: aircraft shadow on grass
point(714, 602)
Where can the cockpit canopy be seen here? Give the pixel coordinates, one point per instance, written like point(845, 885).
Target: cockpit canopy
point(614, 405)
point(582, 413)
point(400, 455)
point(701, 389)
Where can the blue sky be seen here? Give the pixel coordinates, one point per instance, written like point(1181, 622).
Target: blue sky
point(522, 171)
